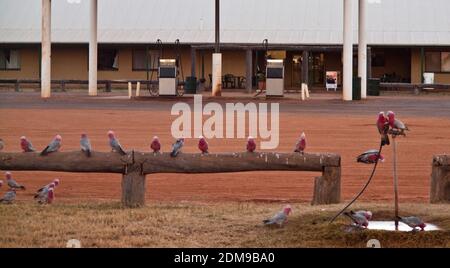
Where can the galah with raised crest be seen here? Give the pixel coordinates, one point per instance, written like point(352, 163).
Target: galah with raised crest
point(8, 197)
point(358, 219)
point(12, 183)
point(26, 145)
point(203, 145)
point(383, 128)
point(370, 157)
point(280, 218)
point(115, 144)
point(413, 222)
point(300, 146)
point(55, 183)
point(176, 147)
point(397, 126)
point(85, 145)
point(251, 144)
point(53, 146)
point(155, 145)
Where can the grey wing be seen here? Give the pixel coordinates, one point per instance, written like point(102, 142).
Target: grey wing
point(412, 220)
point(10, 196)
point(85, 144)
point(399, 124)
point(30, 146)
point(53, 146)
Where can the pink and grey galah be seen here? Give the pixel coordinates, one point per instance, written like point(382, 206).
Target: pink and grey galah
point(155, 145)
point(280, 218)
point(359, 219)
point(176, 147)
point(202, 145)
point(383, 128)
point(115, 144)
point(251, 144)
point(413, 222)
point(397, 126)
point(8, 197)
point(300, 146)
point(26, 145)
point(53, 146)
point(370, 157)
point(12, 183)
point(53, 184)
point(85, 145)
point(365, 213)
point(43, 194)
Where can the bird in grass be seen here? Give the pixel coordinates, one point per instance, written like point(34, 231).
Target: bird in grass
point(8, 197)
point(13, 185)
point(45, 188)
point(397, 126)
point(365, 213)
point(251, 144)
point(42, 196)
point(85, 144)
point(176, 147)
point(413, 222)
point(383, 128)
point(2, 144)
point(280, 218)
point(53, 146)
point(370, 157)
point(26, 145)
point(155, 145)
point(115, 144)
point(300, 146)
point(203, 145)
point(359, 219)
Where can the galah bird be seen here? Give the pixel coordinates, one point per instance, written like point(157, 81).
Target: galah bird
point(55, 183)
point(85, 144)
point(370, 157)
point(398, 127)
point(54, 145)
point(155, 145)
point(413, 222)
point(383, 128)
point(358, 218)
point(280, 218)
point(301, 144)
point(26, 145)
point(9, 197)
point(2, 144)
point(42, 196)
point(12, 183)
point(115, 144)
point(1, 183)
point(365, 213)
point(203, 145)
point(251, 144)
point(176, 147)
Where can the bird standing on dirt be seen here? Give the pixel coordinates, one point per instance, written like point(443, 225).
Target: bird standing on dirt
point(397, 126)
point(45, 188)
point(2, 144)
point(12, 183)
point(155, 145)
point(251, 144)
point(26, 145)
point(358, 218)
point(300, 146)
point(8, 197)
point(383, 128)
point(53, 146)
point(176, 147)
point(370, 157)
point(115, 144)
point(85, 144)
point(280, 218)
point(203, 145)
point(42, 196)
point(413, 222)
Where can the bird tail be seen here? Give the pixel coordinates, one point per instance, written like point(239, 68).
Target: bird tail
point(87, 153)
point(173, 153)
point(267, 222)
point(44, 152)
point(121, 151)
point(398, 218)
point(385, 140)
point(22, 187)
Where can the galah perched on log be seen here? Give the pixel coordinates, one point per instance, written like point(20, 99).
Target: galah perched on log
point(397, 126)
point(280, 218)
point(2, 144)
point(115, 144)
point(203, 145)
point(370, 157)
point(155, 145)
point(85, 144)
point(358, 218)
point(383, 128)
point(413, 222)
point(8, 197)
point(43, 194)
point(176, 147)
point(12, 183)
point(365, 213)
point(26, 145)
point(251, 144)
point(53, 146)
point(300, 146)
point(55, 183)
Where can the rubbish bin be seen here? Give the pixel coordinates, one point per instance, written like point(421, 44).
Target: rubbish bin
point(356, 94)
point(373, 87)
point(190, 86)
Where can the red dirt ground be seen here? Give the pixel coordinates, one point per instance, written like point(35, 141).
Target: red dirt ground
point(348, 132)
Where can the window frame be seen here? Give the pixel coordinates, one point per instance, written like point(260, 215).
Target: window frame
point(141, 69)
point(108, 69)
point(19, 61)
point(441, 71)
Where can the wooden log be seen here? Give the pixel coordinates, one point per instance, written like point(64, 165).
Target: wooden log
point(327, 188)
point(440, 179)
point(133, 186)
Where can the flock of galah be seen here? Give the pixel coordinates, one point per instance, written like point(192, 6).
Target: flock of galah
point(44, 195)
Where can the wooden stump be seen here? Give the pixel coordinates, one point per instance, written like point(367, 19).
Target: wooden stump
point(133, 187)
point(327, 188)
point(440, 179)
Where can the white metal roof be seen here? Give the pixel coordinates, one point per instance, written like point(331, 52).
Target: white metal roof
point(391, 22)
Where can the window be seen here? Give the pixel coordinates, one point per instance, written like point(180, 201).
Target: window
point(139, 58)
point(9, 59)
point(436, 61)
point(108, 59)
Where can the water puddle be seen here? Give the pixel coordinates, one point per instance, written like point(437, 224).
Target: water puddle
point(390, 226)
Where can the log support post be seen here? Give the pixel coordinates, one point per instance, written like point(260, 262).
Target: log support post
point(440, 179)
point(327, 188)
point(133, 186)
